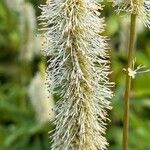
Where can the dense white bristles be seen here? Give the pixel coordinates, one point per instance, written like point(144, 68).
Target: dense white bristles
point(79, 68)
point(139, 7)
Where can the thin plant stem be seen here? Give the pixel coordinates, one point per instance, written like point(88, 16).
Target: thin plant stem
point(128, 81)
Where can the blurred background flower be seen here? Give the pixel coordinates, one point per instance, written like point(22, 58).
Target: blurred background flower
point(20, 123)
point(40, 99)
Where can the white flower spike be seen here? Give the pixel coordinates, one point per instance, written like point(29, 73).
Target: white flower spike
point(79, 68)
point(139, 7)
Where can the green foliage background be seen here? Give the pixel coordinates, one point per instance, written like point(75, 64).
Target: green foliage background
point(19, 128)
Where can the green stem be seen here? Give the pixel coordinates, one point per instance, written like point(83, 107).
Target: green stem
point(128, 81)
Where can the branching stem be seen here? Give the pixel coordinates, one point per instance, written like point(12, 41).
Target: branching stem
point(128, 81)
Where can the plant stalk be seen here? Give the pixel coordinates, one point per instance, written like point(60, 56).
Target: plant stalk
point(128, 81)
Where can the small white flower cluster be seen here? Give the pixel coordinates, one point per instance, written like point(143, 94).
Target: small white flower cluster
point(134, 71)
point(138, 7)
point(79, 68)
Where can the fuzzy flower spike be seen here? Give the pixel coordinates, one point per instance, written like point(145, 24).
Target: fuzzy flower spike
point(79, 68)
point(141, 8)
